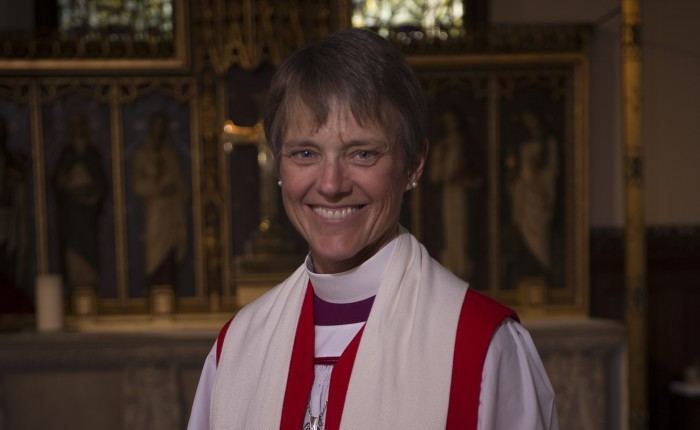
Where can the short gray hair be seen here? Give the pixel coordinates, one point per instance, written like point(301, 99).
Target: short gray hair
point(356, 68)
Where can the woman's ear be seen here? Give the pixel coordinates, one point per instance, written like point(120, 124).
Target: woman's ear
point(417, 172)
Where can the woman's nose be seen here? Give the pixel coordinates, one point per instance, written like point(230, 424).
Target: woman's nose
point(333, 181)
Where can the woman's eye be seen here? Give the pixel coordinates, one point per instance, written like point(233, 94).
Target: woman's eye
point(364, 156)
point(304, 154)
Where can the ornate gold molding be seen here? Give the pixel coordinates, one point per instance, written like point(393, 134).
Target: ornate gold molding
point(248, 32)
point(26, 53)
point(214, 239)
point(16, 90)
point(499, 39)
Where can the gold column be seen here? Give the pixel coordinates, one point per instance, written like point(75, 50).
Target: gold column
point(41, 222)
point(635, 246)
point(118, 192)
point(209, 94)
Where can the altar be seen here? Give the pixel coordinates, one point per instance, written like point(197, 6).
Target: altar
point(146, 380)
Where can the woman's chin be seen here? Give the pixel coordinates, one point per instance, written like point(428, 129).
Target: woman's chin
point(329, 260)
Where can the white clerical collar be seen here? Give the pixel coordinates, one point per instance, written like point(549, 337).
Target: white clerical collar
point(358, 283)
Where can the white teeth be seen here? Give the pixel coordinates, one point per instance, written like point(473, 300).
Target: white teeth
point(339, 213)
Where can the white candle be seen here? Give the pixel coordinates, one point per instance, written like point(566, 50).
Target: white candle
point(49, 303)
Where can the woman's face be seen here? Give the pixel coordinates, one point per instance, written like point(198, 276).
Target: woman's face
point(342, 185)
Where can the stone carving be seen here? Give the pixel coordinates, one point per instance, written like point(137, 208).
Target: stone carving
point(578, 380)
point(151, 398)
point(583, 360)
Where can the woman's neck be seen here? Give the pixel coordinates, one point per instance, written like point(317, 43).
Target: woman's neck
point(358, 283)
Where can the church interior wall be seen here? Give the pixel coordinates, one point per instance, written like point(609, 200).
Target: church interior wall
point(671, 111)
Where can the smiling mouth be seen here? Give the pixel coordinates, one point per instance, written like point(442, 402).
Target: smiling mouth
point(336, 213)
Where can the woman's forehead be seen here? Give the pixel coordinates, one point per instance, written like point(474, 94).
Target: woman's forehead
point(301, 118)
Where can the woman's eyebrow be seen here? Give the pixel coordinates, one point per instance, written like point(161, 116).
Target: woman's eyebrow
point(299, 142)
point(374, 142)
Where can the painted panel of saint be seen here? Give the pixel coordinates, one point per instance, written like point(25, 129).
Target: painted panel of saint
point(532, 197)
point(158, 178)
point(17, 249)
point(454, 186)
point(76, 137)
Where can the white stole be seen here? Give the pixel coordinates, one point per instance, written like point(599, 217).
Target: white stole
point(402, 373)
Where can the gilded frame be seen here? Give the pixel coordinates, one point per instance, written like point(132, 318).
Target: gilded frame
point(493, 74)
point(115, 93)
point(179, 61)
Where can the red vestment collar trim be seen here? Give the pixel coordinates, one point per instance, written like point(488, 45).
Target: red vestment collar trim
point(300, 378)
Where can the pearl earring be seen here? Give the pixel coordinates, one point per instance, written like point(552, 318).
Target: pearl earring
point(279, 182)
point(414, 184)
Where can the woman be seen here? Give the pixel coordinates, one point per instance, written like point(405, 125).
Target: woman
point(369, 332)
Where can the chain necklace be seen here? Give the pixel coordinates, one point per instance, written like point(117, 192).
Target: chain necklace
point(316, 423)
